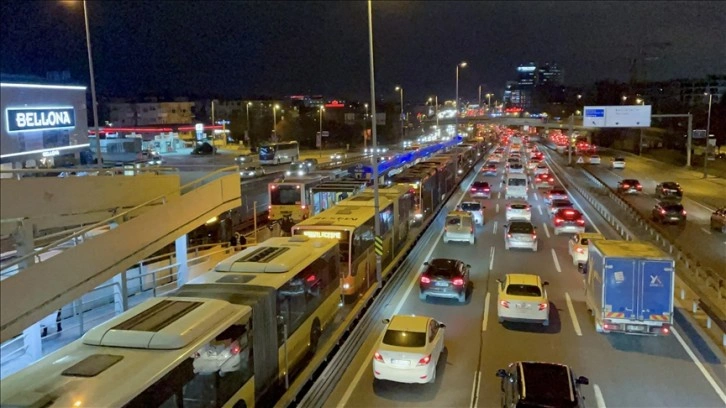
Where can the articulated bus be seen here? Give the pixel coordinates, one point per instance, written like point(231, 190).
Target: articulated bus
point(228, 339)
point(424, 184)
point(278, 153)
point(351, 222)
point(292, 197)
point(326, 195)
point(403, 204)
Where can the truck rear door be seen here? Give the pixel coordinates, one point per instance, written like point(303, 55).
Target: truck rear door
point(621, 285)
point(656, 290)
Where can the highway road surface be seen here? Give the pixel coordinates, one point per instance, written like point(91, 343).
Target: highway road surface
point(624, 371)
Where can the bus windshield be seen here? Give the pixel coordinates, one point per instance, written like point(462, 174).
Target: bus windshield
point(285, 194)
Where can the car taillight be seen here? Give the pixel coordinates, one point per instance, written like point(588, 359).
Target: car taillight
point(425, 279)
point(473, 189)
point(486, 189)
point(626, 185)
point(509, 235)
point(683, 212)
point(558, 220)
point(580, 222)
point(302, 207)
point(638, 187)
point(662, 211)
point(543, 306)
point(534, 236)
point(458, 282)
point(235, 348)
point(471, 229)
point(377, 356)
point(580, 250)
point(424, 360)
point(504, 303)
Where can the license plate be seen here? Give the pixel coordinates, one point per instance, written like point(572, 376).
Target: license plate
point(444, 284)
point(633, 327)
point(400, 362)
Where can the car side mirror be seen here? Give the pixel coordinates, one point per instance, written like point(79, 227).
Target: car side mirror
point(386, 321)
point(582, 380)
point(468, 266)
point(442, 326)
point(499, 281)
point(426, 264)
point(501, 373)
point(545, 283)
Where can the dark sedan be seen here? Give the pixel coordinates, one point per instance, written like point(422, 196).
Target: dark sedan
point(447, 278)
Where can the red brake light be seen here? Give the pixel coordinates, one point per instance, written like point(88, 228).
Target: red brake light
point(638, 187)
point(424, 360)
point(378, 357)
point(569, 212)
point(235, 348)
point(580, 222)
point(626, 185)
point(509, 235)
point(558, 220)
point(543, 306)
point(662, 211)
point(302, 207)
point(310, 279)
point(683, 212)
point(473, 189)
point(534, 236)
point(580, 250)
point(425, 279)
point(504, 303)
point(486, 189)
point(459, 282)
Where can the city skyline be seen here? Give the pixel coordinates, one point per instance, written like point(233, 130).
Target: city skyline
point(240, 49)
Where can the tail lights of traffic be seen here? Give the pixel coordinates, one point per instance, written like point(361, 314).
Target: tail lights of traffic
point(377, 356)
point(425, 279)
point(543, 306)
point(580, 222)
point(424, 360)
point(458, 282)
point(504, 304)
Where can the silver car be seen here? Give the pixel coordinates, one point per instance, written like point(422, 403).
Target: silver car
point(252, 171)
point(520, 234)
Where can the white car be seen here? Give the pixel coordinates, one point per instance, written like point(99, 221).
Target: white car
point(519, 211)
point(459, 227)
point(409, 350)
point(541, 169)
point(252, 171)
point(336, 157)
point(520, 234)
point(594, 159)
point(578, 244)
point(522, 298)
point(617, 163)
point(475, 209)
point(516, 168)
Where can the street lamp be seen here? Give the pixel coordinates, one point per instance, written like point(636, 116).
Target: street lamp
point(639, 101)
point(374, 158)
point(479, 96)
point(400, 90)
point(247, 136)
point(708, 134)
point(489, 100)
point(322, 109)
point(462, 64)
point(365, 129)
point(436, 110)
point(274, 121)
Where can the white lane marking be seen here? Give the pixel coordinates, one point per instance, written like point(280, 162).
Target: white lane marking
point(573, 316)
point(547, 231)
point(491, 258)
point(539, 208)
point(704, 229)
point(348, 392)
point(702, 205)
point(486, 313)
point(497, 208)
point(475, 389)
point(536, 197)
point(599, 400)
point(557, 262)
point(494, 231)
point(499, 194)
point(700, 366)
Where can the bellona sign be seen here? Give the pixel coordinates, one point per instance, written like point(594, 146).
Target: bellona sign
point(34, 119)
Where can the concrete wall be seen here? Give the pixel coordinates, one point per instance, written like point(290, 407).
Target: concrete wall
point(55, 202)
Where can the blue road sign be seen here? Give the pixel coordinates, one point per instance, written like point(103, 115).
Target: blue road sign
point(595, 113)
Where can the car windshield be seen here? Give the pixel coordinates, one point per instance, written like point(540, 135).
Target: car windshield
point(673, 207)
point(401, 338)
point(523, 290)
point(285, 195)
point(620, 159)
point(561, 203)
point(250, 168)
point(548, 385)
point(445, 268)
point(673, 186)
point(454, 220)
point(521, 228)
point(470, 206)
point(519, 206)
point(517, 182)
point(558, 192)
point(480, 184)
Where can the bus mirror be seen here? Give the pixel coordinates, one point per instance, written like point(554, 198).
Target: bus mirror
point(386, 321)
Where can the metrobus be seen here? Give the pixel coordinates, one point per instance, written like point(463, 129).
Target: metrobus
point(326, 195)
point(352, 223)
point(403, 204)
point(424, 184)
point(292, 197)
point(230, 339)
point(277, 153)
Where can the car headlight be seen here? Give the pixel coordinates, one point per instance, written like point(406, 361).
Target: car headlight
point(252, 173)
point(300, 172)
point(287, 173)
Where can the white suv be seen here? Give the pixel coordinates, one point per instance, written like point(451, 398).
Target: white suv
point(459, 227)
point(519, 211)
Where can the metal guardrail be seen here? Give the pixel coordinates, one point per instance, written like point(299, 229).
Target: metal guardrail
point(687, 268)
point(316, 383)
point(91, 171)
point(121, 215)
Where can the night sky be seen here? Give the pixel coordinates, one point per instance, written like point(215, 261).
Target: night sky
point(240, 49)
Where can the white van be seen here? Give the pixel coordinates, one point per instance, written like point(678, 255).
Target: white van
point(516, 186)
point(459, 227)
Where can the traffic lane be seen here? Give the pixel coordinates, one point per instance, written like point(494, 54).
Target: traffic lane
point(610, 361)
point(696, 210)
point(706, 191)
point(695, 234)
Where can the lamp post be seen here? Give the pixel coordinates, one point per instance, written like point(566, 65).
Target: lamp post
point(322, 109)
point(436, 111)
point(400, 91)
point(489, 101)
point(374, 158)
point(274, 121)
point(365, 129)
point(479, 96)
point(99, 156)
point(708, 134)
point(247, 136)
point(456, 102)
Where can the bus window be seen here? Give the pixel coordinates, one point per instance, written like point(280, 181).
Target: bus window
point(284, 194)
point(209, 378)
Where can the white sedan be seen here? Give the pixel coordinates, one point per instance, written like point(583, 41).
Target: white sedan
point(519, 211)
point(409, 350)
point(618, 163)
point(594, 159)
point(578, 246)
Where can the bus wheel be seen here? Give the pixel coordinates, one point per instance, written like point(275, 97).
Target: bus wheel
point(314, 336)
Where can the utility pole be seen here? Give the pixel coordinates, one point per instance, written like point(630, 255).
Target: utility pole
point(374, 156)
point(569, 140)
point(708, 135)
point(689, 135)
